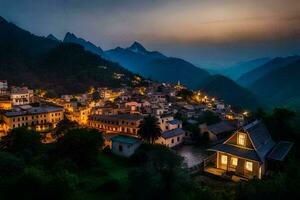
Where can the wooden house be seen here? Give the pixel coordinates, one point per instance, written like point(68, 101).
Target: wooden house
point(248, 151)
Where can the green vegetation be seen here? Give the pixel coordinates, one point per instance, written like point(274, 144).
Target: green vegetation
point(149, 129)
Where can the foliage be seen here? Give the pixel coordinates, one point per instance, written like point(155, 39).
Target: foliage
point(209, 118)
point(161, 174)
point(64, 126)
point(80, 145)
point(149, 129)
point(10, 164)
point(22, 141)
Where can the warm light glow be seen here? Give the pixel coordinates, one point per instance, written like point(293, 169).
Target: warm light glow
point(249, 166)
point(242, 139)
point(234, 161)
point(224, 159)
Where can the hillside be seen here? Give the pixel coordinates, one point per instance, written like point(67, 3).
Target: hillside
point(173, 69)
point(230, 92)
point(72, 38)
point(250, 77)
point(157, 66)
point(40, 62)
point(281, 86)
point(235, 71)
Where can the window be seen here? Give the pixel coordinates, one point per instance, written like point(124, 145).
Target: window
point(224, 159)
point(234, 161)
point(249, 166)
point(120, 148)
point(242, 139)
point(172, 141)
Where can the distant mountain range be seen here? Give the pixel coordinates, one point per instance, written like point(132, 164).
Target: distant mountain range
point(74, 64)
point(41, 62)
point(235, 71)
point(150, 64)
point(280, 86)
point(251, 76)
point(230, 92)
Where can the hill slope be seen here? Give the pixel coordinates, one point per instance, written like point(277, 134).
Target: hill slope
point(235, 71)
point(157, 66)
point(255, 74)
point(72, 38)
point(281, 86)
point(230, 92)
point(46, 63)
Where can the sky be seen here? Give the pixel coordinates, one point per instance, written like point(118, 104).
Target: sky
point(208, 33)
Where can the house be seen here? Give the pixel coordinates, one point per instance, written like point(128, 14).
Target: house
point(121, 123)
point(171, 138)
point(247, 152)
point(3, 86)
point(216, 132)
point(124, 145)
point(42, 118)
point(21, 96)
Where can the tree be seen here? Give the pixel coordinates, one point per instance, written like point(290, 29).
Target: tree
point(22, 141)
point(209, 118)
point(10, 165)
point(149, 129)
point(80, 145)
point(64, 126)
point(161, 174)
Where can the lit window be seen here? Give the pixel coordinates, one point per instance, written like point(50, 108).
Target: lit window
point(242, 139)
point(249, 166)
point(224, 159)
point(234, 161)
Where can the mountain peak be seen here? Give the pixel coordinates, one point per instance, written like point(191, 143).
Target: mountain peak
point(137, 47)
point(2, 20)
point(52, 37)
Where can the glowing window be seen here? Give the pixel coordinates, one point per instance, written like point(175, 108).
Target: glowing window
point(242, 139)
point(224, 159)
point(249, 166)
point(234, 161)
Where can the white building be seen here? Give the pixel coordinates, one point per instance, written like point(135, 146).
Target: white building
point(21, 96)
point(3, 86)
point(124, 145)
point(171, 138)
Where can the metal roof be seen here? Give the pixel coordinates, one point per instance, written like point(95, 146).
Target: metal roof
point(125, 139)
point(172, 133)
point(260, 137)
point(280, 150)
point(221, 127)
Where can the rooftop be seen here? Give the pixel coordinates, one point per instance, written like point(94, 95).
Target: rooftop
point(125, 139)
point(34, 110)
point(172, 133)
point(280, 150)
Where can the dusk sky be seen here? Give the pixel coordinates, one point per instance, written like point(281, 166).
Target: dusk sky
point(214, 32)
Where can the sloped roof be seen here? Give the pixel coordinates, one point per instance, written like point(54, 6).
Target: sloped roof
point(125, 139)
point(280, 151)
point(220, 127)
point(234, 150)
point(172, 133)
point(260, 137)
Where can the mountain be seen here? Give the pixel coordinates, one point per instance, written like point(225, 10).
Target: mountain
point(280, 86)
point(72, 38)
point(133, 57)
point(235, 71)
point(155, 65)
point(52, 37)
point(255, 74)
point(233, 94)
point(40, 62)
point(173, 69)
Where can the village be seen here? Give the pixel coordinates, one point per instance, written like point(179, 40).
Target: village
point(211, 136)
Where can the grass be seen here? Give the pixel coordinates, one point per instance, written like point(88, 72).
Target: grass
point(112, 171)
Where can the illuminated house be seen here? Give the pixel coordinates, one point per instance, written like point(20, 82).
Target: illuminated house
point(248, 152)
point(41, 118)
point(122, 123)
point(21, 96)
